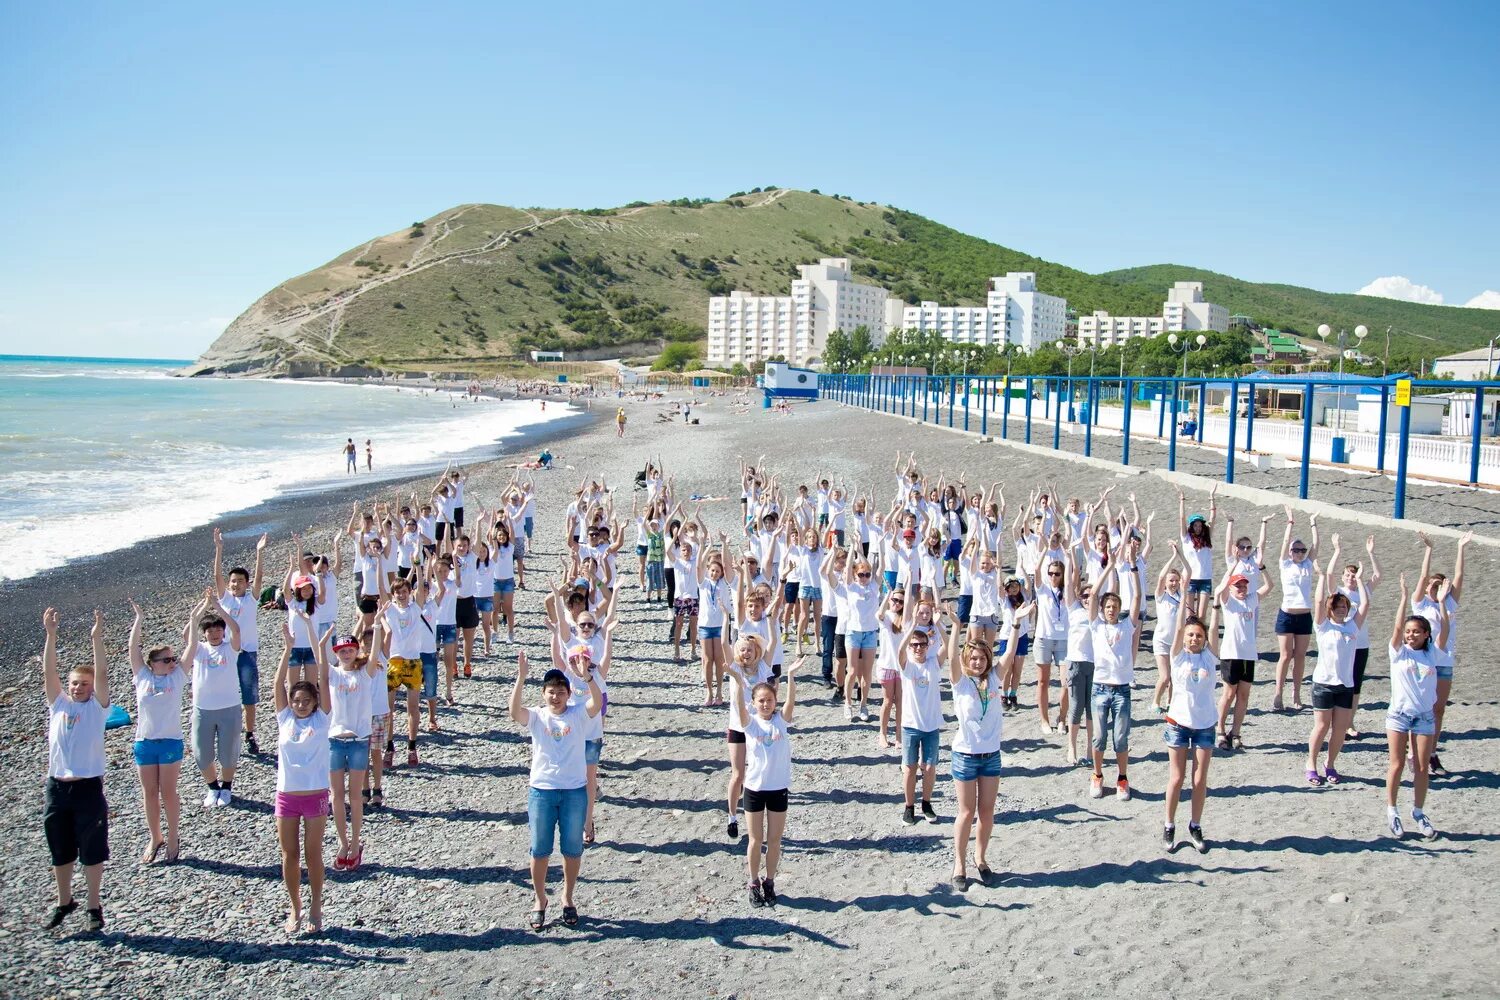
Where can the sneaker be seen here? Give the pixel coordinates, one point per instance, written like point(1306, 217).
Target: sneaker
point(1122, 790)
point(909, 816)
point(1424, 826)
point(211, 798)
point(865, 716)
point(1096, 786)
point(1169, 837)
point(757, 896)
point(1394, 825)
point(251, 746)
point(388, 759)
point(59, 914)
point(1196, 833)
point(768, 889)
point(96, 920)
point(932, 817)
point(734, 828)
point(848, 712)
point(225, 796)
point(411, 757)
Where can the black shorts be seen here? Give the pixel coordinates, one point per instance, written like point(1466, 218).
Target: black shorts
point(789, 590)
point(840, 651)
point(1330, 696)
point(75, 818)
point(405, 573)
point(733, 736)
point(466, 613)
point(442, 529)
point(367, 605)
point(458, 517)
point(1361, 660)
point(1237, 671)
point(773, 801)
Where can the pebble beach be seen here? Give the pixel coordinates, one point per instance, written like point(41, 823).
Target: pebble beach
point(1302, 892)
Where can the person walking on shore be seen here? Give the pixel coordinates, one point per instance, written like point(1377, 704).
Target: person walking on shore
point(302, 759)
point(351, 457)
point(369, 456)
point(620, 422)
point(159, 684)
point(75, 816)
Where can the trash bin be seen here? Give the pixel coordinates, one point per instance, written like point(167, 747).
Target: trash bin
point(1340, 451)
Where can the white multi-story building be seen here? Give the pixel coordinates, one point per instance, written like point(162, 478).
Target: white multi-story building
point(748, 328)
point(1185, 309)
point(1014, 313)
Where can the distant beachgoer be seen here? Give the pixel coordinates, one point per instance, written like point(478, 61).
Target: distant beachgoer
point(620, 422)
point(369, 456)
point(351, 457)
point(76, 817)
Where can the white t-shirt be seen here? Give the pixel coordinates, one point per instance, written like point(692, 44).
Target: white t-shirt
point(349, 701)
point(557, 752)
point(447, 605)
point(1194, 676)
point(986, 593)
point(428, 633)
point(503, 562)
point(380, 702)
point(922, 695)
point(1238, 641)
point(981, 719)
point(466, 564)
point(863, 603)
point(1051, 615)
point(216, 677)
point(301, 751)
point(593, 728)
point(769, 634)
point(758, 675)
point(370, 569)
point(1168, 605)
point(326, 611)
point(1080, 634)
point(158, 704)
point(406, 628)
point(1200, 561)
point(1414, 678)
point(1336, 645)
point(1296, 585)
point(242, 610)
point(1427, 607)
point(1362, 631)
point(713, 602)
point(1114, 651)
point(75, 738)
point(768, 754)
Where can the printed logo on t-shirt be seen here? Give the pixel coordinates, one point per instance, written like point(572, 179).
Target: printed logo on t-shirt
point(558, 730)
point(70, 719)
point(768, 737)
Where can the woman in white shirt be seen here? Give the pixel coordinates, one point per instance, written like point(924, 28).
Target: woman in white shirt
point(1190, 720)
point(75, 816)
point(975, 750)
point(1238, 653)
point(503, 575)
point(713, 619)
point(749, 663)
point(1116, 630)
point(1337, 629)
point(557, 804)
point(768, 773)
point(1169, 598)
point(351, 690)
point(861, 595)
point(1415, 657)
point(1198, 550)
point(159, 684)
point(892, 626)
point(301, 784)
point(1294, 622)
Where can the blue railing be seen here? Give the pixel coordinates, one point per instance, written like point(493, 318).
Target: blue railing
point(949, 400)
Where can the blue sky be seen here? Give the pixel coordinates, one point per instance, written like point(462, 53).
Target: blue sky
point(162, 166)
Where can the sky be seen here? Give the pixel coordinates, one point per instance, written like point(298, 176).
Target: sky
point(163, 165)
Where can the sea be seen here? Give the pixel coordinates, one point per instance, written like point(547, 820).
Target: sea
point(98, 454)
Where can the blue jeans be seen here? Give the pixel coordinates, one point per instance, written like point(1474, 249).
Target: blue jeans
point(429, 676)
point(1111, 706)
point(826, 628)
point(970, 766)
point(249, 668)
point(557, 812)
point(915, 745)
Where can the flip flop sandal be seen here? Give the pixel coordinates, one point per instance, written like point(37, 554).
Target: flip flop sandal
point(538, 919)
point(1224, 743)
point(151, 855)
point(570, 916)
point(1239, 743)
point(588, 834)
point(1314, 778)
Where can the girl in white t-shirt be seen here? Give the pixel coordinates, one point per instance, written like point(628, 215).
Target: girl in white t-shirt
point(1337, 625)
point(1294, 622)
point(302, 722)
point(1416, 656)
point(713, 619)
point(861, 594)
point(351, 691)
point(1425, 604)
point(892, 629)
point(1198, 550)
point(1169, 600)
point(503, 556)
point(748, 662)
point(159, 684)
point(768, 773)
point(76, 816)
point(1190, 720)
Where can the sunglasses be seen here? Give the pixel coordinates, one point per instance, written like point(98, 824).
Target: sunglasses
point(586, 625)
point(863, 576)
point(1054, 572)
point(164, 659)
point(1299, 550)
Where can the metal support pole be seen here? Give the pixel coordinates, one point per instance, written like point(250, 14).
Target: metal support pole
point(984, 407)
point(1252, 400)
point(1029, 381)
point(926, 395)
point(1161, 406)
point(1088, 425)
point(1127, 391)
point(1385, 402)
point(1307, 411)
point(1202, 398)
point(1403, 439)
point(966, 402)
point(1172, 443)
point(1005, 411)
point(1057, 411)
point(1234, 426)
point(952, 386)
point(1474, 439)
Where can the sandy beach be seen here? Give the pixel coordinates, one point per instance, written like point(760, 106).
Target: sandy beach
point(1303, 892)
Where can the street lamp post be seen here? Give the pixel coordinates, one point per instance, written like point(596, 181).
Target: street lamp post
point(1071, 350)
point(1360, 333)
point(1184, 346)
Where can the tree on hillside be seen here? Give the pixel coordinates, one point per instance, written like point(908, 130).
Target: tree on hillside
point(675, 357)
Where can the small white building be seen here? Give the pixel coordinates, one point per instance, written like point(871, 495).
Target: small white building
point(1184, 310)
point(1468, 366)
point(1014, 313)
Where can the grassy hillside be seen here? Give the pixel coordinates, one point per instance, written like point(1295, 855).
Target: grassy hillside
point(480, 283)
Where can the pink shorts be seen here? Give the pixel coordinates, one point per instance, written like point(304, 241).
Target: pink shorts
point(290, 806)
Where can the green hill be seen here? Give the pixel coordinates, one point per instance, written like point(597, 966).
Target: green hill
point(481, 284)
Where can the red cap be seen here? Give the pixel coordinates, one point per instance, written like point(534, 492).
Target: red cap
point(1237, 579)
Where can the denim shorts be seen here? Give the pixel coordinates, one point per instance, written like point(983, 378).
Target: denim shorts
point(506, 586)
point(890, 584)
point(302, 656)
point(863, 640)
point(951, 553)
point(641, 550)
point(1294, 623)
point(1023, 646)
point(984, 621)
point(591, 750)
point(349, 755)
point(1445, 671)
point(1200, 586)
point(557, 814)
point(149, 753)
point(969, 766)
point(429, 676)
point(526, 527)
point(1051, 651)
point(484, 604)
point(1111, 704)
point(1418, 724)
point(915, 743)
point(1180, 737)
point(965, 604)
point(447, 635)
point(710, 632)
point(810, 593)
point(249, 667)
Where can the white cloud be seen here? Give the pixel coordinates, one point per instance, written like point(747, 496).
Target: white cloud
point(1398, 287)
point(1487, 299)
